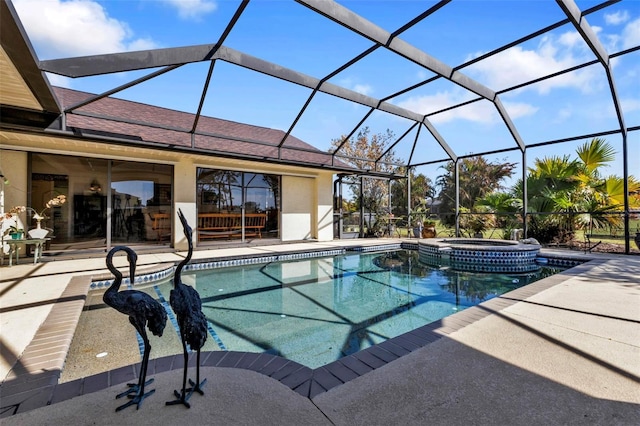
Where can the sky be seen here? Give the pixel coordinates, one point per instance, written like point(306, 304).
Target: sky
point(290, 35)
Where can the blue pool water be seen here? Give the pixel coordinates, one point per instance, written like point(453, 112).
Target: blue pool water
point(315, 311)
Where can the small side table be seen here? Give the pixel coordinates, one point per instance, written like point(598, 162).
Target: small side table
point(16, 245)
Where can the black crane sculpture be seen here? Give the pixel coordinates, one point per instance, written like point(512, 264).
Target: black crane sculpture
point(143, 311)
point(187, 306)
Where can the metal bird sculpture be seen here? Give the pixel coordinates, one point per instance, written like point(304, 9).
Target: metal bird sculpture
point(187, 306)
point(143, 311)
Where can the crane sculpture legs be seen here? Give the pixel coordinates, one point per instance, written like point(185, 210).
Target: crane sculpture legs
point(136, 390)
point(197, 386)
point(183, 396)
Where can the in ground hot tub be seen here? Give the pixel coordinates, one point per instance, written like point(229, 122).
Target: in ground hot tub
point(480, 255)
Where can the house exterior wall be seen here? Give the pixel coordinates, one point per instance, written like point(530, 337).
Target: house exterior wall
point(14, 167)
point(184, 195)
point(324, 203)
point(297, 208)
point(306, 192)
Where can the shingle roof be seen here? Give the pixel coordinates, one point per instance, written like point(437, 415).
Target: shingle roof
point(140, 122)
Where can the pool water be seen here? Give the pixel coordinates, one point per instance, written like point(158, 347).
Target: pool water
point(315, 311)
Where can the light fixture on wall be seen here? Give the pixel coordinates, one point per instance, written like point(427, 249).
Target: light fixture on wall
point(95, 186)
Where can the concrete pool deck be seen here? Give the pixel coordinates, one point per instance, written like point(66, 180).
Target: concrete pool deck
point(565, 351)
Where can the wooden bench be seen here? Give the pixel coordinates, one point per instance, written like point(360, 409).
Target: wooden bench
point(228, 225)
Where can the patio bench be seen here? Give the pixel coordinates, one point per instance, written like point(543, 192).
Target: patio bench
point(228, 225)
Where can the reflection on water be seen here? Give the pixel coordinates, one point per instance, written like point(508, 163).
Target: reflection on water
point(316, 311)
point(311, 311)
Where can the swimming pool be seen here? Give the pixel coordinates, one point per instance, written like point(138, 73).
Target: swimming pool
point(311, 310)
point(315, 311)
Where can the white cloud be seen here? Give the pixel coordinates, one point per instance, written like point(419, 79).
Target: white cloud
point(631, 34)
point(479, 112)
point(363, 89)
point(571, 39)
point(193, 9)
point(59, 28)
point(563, 115)
point(519, 109)
point(349, 83)
point(518, 64)
point(630, 104)
point(430, 103)
point(60, 81)
point(616, 18)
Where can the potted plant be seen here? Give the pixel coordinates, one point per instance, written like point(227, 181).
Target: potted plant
point(428, 229)
point(15, 232)
point(419, 219)
point(11, 224)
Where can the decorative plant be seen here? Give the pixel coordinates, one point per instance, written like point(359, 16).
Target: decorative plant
point(12, 224)
point(14, 229)
point(14, 210)
point(419, 214)
point(54, 202)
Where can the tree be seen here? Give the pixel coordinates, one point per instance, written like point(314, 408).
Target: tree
point(477, 176)
point(578, 190)
point(502, 202)
point(362, 152)
point(421, 188)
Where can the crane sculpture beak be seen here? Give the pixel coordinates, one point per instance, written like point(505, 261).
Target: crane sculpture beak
point(132, 270)
point(185, 225)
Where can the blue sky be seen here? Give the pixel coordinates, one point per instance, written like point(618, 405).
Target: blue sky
point(292, 36)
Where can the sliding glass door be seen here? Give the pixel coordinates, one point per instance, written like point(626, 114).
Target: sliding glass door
point(140, 202)
point(106, 201)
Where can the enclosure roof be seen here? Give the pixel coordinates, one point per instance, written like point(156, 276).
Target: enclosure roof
point(445, 92)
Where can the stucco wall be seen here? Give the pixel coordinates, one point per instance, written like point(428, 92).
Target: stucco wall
point(14, 167)
point(324, 188)
point(13, 188)
point(298, 195)
point(184, 198)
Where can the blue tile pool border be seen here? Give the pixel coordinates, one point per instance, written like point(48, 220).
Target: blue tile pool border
point(149, 278)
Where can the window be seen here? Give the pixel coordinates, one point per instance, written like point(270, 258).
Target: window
point(247, 196)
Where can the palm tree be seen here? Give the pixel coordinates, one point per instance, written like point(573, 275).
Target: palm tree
point(577, 189)
point(505, 208)
point(477, 177)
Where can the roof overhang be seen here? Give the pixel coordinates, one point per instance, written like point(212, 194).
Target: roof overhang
point(23, 84)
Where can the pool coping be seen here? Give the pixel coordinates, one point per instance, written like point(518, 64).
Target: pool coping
point(24, 392)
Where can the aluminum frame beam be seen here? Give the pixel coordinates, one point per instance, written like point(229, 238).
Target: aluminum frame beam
point(121, 62)
point(350, 20)
point(589, 36)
